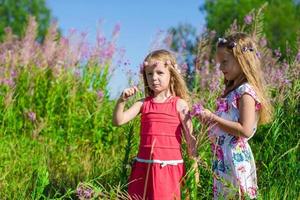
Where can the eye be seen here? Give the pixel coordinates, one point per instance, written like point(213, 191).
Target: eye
point(149, 73)
point(224, 62)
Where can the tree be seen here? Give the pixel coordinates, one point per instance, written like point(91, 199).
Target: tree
point(14, 14)
point(184, 40)
point(281, 19)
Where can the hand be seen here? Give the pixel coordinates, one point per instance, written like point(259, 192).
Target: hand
point(128, 92)
point(206, 116)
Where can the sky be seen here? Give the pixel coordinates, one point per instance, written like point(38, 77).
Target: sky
point(140, 22)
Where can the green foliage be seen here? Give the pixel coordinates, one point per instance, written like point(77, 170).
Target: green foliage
point(281, 19)
point(183, 37)
point(57, 136)
point(72, 141)
point(68, 136)
point(15, 14)
point(277, 149)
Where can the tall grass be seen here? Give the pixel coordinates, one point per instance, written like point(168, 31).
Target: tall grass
point(58, 142)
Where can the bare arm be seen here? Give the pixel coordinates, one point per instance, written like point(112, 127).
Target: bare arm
point(121, 116)
point(183, 110)
point(244, 127)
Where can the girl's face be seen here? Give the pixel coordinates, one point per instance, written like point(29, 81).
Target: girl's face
point(228, 64)
point(158, 77)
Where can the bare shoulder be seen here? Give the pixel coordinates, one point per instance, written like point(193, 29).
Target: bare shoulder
point(139, 102)
point(182, 105)
point(135, 108)
point(247, 100)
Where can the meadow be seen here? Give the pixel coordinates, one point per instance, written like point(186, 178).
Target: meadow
point(57, 140)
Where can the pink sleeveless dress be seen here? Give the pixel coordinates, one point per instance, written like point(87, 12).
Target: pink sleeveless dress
point(160, 141)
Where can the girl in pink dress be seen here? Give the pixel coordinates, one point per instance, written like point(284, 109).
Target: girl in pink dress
point(243, 104)
point(158, 169)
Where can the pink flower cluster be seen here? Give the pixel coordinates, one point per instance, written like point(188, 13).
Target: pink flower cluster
point(84, 192)
point(197, 109)
point(58, 53)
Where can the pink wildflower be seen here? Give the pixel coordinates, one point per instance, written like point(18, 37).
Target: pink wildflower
point(84, 192)
point(298, 56)
point(32, 116)
point(248, 19)
point(100, 94)
point(263, 42)
point(196, 109)
point(116, 30)
point(277, 53)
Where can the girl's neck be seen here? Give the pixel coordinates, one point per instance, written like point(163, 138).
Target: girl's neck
point(162, 96)
point(239, 80)
point(232, 85)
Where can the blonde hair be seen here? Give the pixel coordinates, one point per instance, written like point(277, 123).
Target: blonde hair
point(177, 84)
point(244, 50)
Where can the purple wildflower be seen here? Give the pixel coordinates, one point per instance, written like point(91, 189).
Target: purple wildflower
point(116, 30)
point(8, 82)
point(286, 81)
point(234, 26)
point(298, 56)
point(288, 51)
point(77, 73)
point(263, 42)
point(72, 31)
point(85, 50)
point(13, 73)
point(248, 19)
point(88, 193)
point(197, 109)
point(214, 84)
point(277, 53)
point(100, 94)
point(285, 65)
point(258, 54)
point(32, 116)
point(110, 50)
point(84, 192)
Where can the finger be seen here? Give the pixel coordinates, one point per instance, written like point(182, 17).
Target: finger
point(132, 91)
point(136, 89)
point(129, 92)
point(126, 93)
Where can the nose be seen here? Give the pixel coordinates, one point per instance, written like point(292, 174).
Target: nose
point(154, 76)
point(220, 66)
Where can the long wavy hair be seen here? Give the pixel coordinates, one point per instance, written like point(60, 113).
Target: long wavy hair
point(243, 49)
point(177, 84)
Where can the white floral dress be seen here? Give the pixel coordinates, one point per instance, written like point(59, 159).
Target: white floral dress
point(233, 163)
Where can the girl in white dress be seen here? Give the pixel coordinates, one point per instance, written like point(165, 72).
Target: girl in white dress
point(242, 106)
